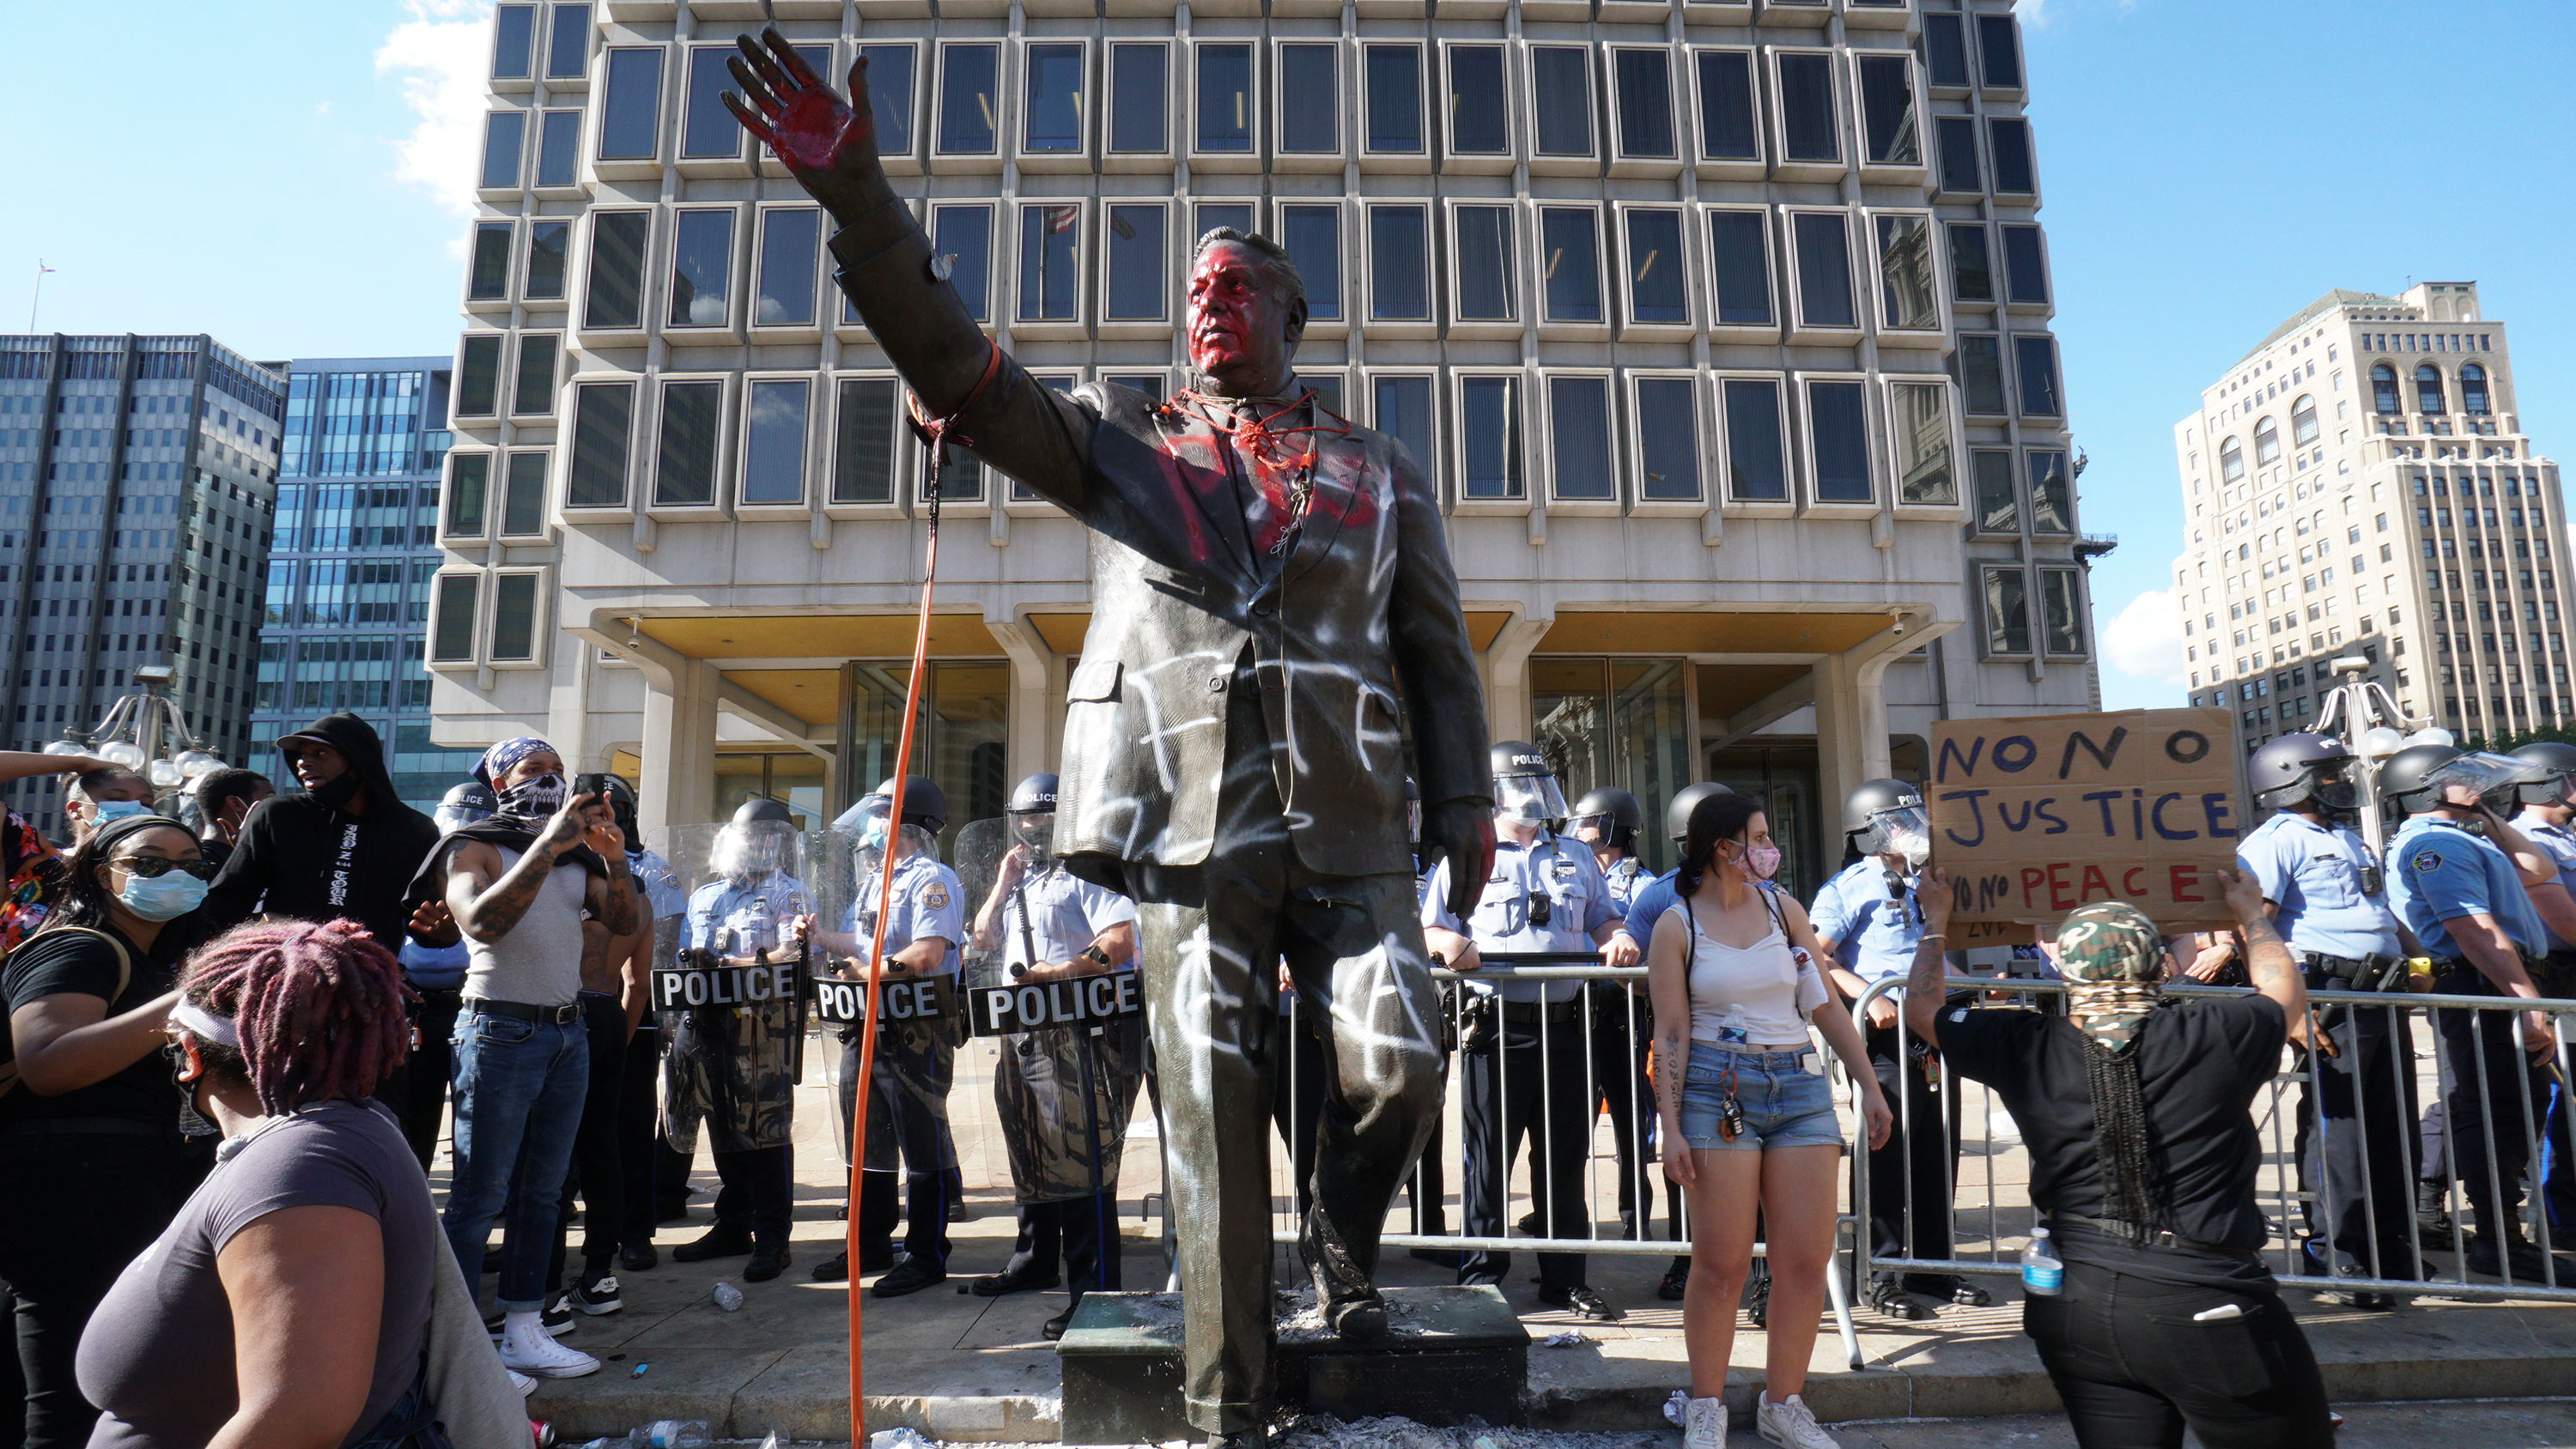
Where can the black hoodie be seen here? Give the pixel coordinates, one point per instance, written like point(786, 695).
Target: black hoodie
point(300, 857)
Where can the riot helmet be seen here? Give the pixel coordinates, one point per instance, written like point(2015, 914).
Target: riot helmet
point(1525, 784)
point(2546, 780)
point(621, 808)
point(1032, 812)
point(2302, 767)
point(464, 804)
point(1886, 817)
point(2418, 780)
point(756, 842)
point(923, 804)
point(1685, 800)
point(1613, 812)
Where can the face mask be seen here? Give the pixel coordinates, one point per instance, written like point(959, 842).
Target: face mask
point(1916, 849)
point(335, 793)
point(173, 894)
point(872, 835)
point(532, 799)
point(104, 811)
point(1761, 860)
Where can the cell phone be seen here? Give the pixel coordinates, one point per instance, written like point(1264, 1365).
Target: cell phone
point(592, 784)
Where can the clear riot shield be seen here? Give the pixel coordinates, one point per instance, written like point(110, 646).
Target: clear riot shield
point(977, 859)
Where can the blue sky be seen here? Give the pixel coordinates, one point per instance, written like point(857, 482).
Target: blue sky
point(290, 176)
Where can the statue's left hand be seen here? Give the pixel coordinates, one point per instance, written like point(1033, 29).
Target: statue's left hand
point(830, 146)
point(1463, 832)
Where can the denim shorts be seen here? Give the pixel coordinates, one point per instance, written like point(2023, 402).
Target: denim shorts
point(1785, 1104)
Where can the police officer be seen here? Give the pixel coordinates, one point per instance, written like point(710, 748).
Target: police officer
point(2324, 890)
point(907, 1100)
point(729, 1066)
point(2453, 882)
point(1525, 1062)
point(1063, 1094)
point(1607, 819)
point(2547, 794)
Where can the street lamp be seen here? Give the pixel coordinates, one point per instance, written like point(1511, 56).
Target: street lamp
point(144, 732)
point(2374, 728)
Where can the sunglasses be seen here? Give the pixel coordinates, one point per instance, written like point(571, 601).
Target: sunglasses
point(153, 867)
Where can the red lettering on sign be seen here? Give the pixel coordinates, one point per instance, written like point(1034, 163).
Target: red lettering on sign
point(2095, 880)
point(2032, 878)
point(2129, 882)
point(2058, 899)
point(2184, 878)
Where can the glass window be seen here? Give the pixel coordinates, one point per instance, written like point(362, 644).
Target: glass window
point(469, 476)
point(1838, 426)
point(1214, 215)
point(1569, 247)
point(452, 640)
point(890, 96)
point(1489, 434)
point(2009, 139)
point(706, 127)
point(1050, 285)
point(2231, 461)
point(2007, 612)
point(1958, 138)
point(1054, 120)
point(863, 445)
point(1485, 264)
point(1740, 256)
point(514, 616)
point(1399, 274)
point(2000, 49)
point(2061, 611)
point(1655, 290)
point(2267, 441)
point(1137, 90)
point(1726, 131)
point(1394, 98)
point(1148, 383)
point(1313, 236)
point(968, 82)
point(2036, 358)
point(2303, 420)
point(1479, 117)
point(788, 239)
point(1756, 471)
point(630, 108)
point(568, 42)
point(1924, 470)
point(1906, 294)
point(685, 471)
point(1888, 136)
point(2052, 493)
point(1667, 439)
point(513, 29)
point(478, 377)
point(1403, 412)
point(1578, 410)
point(1945, 49)
point(533, 393)
point(966, 233)
point(503, 131)
point(1225, 98)
point(773, 441)
point(1137, 263)
point(1998, 510)
point(1327, 388)
point(1972, 277)
point(617, 269)
point(559, 148)
point(488, 274)
point(523, 496)
point(1645, 83)
point(1807, 130)
point(1561, 81)
point(701, 269)
point(2473, 393)
point(2025, 273)
point(1981, 372)
point(603, 421)
point(2383, 389)
point(1824, 269)
point(1309, 101)
point(2428, 390)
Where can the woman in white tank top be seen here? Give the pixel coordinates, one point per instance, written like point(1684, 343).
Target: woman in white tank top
point(1748, 1120)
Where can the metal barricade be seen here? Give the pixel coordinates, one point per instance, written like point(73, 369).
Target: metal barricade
point(1987, 1237)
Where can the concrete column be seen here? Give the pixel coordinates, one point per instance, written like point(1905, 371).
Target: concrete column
point(679, 786)
point(1851, 726)
point(1507, 686)
point(1032, 736)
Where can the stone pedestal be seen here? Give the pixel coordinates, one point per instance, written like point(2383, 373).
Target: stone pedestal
point(1451, 1354)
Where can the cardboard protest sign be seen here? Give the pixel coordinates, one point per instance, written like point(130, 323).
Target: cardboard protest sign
point(2033, 817)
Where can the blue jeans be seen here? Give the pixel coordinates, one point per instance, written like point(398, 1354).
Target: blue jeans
point(519, 1090)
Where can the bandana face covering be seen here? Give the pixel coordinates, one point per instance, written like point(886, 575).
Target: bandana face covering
point(2112, 956)
point(534, 799)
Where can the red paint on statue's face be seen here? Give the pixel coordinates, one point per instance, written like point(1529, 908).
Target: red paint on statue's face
point(1239, 334)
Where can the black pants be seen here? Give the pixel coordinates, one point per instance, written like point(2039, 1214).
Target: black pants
point(1080, 1234)
point(907, 1106)
point(758, 1192)
point(1537, 1089)
point(2490, 1112)
point(1618, 1051)
point(635, 1133)
point(1911, 1175)
point(1297, 1093)
point(2134, 1365)
point(420, 1098)
point(2355, 1138)
point(75, 1208)
point(598, 1169)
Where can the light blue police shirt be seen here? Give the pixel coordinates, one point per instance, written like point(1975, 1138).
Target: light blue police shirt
point(1874, 937)
point(1064, 913)
point(2312, 872)
point(1563, 871)
point(2439, 872)
point(2559, 844)
point(926, 903)
point(1625, 879)
point(725, 917)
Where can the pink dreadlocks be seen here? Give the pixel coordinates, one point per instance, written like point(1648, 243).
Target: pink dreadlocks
point(320, 1008)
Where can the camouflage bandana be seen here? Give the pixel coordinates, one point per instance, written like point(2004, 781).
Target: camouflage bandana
point(2113, 959)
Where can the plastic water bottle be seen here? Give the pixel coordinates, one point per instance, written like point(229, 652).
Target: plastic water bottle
point(670, 1434)
point(728, 1297)
point(2041, 1272)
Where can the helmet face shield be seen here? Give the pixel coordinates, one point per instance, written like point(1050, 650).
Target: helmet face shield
point(2475, 771)
point(1034, 832)
point(1530, 798)
point(2333, 784)
point(1905, 830)
point(749, 852)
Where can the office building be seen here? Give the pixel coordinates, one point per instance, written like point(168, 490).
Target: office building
point(2360, 485)
point(1722, 329)
point(138, 476)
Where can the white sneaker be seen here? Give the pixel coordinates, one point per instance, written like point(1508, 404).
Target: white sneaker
point(1704, 1424)
point(524, 1384)
point(537, 1353)
point(1790, 1424)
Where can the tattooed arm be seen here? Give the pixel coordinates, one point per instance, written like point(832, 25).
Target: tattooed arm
point(1668, 986)
point(2267, 957)
point(1923, 986)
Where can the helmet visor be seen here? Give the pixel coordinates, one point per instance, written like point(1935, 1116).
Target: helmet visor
point(457, 817)
point(1533, 798)
point(1904, 831)
point(2475, 771)
point(1035, 832)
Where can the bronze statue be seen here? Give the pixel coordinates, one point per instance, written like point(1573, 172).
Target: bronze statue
point(1268, 580)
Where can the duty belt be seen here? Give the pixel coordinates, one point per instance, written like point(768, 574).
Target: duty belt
point(2125, 1232)
point(564, 1015)
point(2356, 970)
point(1551, 1011)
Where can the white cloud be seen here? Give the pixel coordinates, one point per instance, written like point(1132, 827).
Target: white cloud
point(440, 54)
point(2144, 640)
point(2032, 12)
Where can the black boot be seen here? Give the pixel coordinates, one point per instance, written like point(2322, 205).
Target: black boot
point(2433, 1225)
point(724, 1240)
point(768, 1260)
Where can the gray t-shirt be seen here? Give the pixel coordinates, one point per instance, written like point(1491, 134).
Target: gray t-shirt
point(158, 1354)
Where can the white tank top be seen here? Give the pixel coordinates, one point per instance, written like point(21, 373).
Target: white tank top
point(1760, 989)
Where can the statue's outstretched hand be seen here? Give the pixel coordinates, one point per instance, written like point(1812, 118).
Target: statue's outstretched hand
point(831, 147)
point(1463, 832)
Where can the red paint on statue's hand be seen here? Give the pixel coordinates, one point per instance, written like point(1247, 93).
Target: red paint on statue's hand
point(816, 132)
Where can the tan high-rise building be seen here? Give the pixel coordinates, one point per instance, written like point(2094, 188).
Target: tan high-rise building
point(2359, 484)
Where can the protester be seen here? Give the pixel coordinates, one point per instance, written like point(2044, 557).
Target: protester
point(2137, 1114)
point(1749, 1126)
point(615, 989)
point(224, 800)
point(518, 885)
point(110, 792)
point(436, 975)
point(89, 1119)
point(637, 1112)
point(28, 872)
point(289, 1301)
